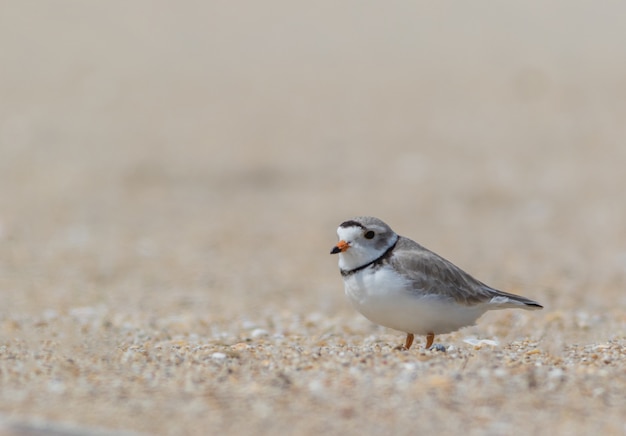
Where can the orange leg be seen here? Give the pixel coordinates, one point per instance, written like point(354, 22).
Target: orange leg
point(430, 338)
point(409, 340)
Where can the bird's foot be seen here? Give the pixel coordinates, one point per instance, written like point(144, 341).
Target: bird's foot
point(407, 343)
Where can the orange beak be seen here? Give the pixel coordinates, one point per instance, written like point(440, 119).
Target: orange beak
point(340, 247)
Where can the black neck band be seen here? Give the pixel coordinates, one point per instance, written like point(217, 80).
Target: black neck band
point(379, 259)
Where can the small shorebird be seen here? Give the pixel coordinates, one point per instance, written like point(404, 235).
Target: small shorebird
point(395, 282)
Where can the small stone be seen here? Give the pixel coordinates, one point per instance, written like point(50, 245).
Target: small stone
point(478, 343)
point(257, 333)
point(556, 373)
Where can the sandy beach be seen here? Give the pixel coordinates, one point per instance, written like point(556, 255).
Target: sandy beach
point(171, 181)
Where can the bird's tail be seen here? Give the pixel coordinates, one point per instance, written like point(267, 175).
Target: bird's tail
point(504, 300)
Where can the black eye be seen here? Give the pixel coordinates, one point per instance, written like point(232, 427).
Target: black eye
point(369, 234)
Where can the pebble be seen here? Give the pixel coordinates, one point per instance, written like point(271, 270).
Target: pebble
point(257, 333)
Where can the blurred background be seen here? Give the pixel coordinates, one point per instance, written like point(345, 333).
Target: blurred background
point(172, 175)
point(197, 157)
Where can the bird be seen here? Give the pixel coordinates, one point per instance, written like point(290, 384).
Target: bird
point(395, 282)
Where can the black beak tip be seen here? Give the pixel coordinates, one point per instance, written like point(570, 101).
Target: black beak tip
point(335, 250)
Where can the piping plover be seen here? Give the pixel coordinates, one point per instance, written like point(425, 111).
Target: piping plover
point(395, 282)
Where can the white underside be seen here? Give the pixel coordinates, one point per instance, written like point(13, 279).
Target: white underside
point(384, 298)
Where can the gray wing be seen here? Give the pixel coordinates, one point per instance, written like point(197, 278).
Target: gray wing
point(432, 274)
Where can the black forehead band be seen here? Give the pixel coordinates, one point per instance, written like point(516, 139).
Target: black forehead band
point(351, 223)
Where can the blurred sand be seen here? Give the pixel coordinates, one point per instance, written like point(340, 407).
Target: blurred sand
point(171, 178)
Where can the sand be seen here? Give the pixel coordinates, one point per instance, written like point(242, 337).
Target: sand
point(171, 178)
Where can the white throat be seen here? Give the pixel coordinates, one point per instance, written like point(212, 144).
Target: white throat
point(359, 254)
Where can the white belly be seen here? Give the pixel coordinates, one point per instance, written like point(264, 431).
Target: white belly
point(385, 298)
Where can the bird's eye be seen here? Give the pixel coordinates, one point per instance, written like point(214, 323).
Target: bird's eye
point(369, 234)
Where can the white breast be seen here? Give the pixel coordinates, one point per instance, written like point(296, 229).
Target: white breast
point(386, 298)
